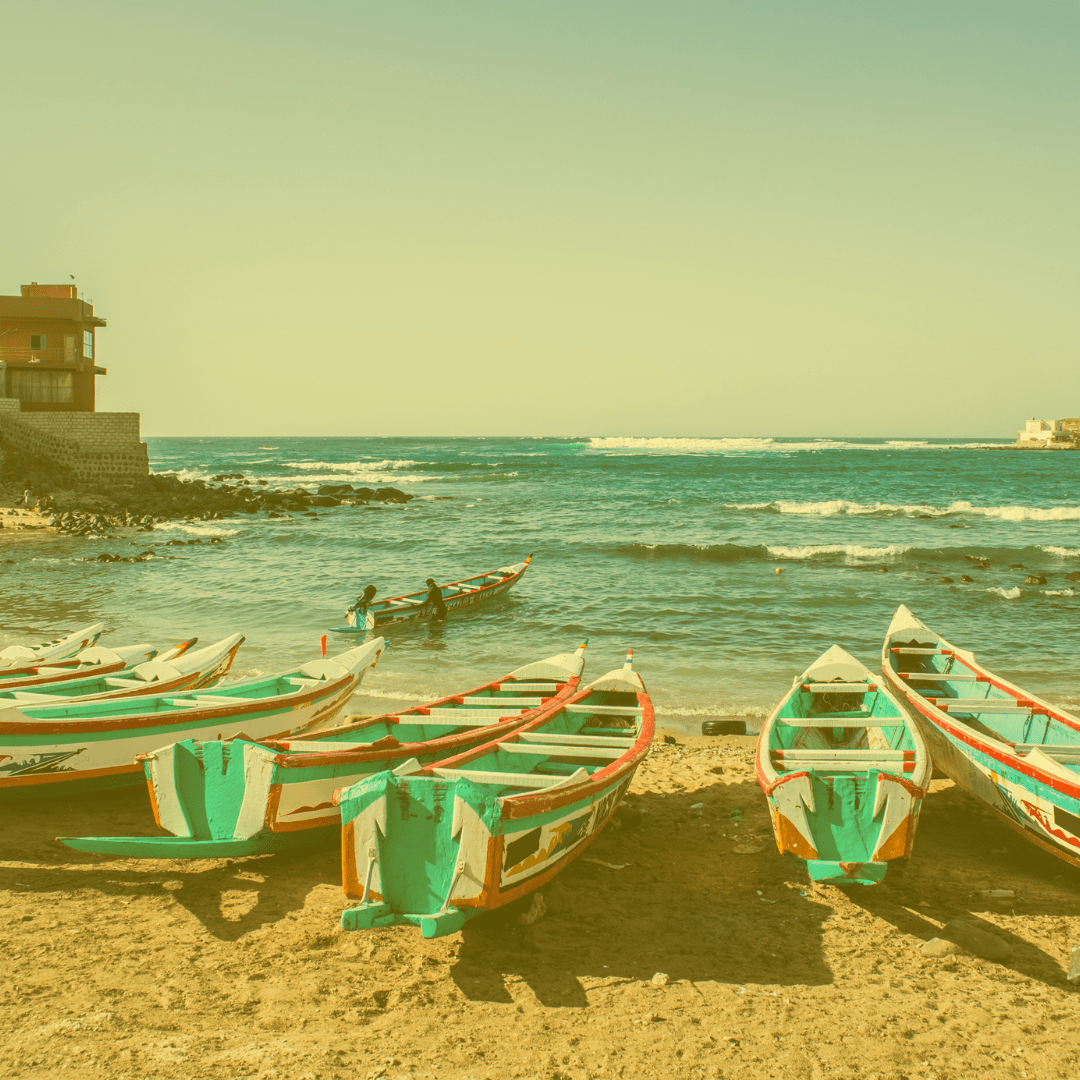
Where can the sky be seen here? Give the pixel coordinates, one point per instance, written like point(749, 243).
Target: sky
point(557, 218)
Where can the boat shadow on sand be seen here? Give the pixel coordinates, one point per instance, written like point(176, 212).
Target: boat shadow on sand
point(662, 890)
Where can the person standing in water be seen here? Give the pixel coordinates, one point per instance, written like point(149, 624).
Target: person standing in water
point(357, 614)
point(435, 599)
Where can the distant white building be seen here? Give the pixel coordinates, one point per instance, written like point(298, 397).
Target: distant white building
point(1041, 431)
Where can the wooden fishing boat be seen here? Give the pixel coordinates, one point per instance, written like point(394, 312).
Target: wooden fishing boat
point(74, 746)
point(177, 669)
point(435, 845)
point(844, 771)
point(1017, 754)
point(458, 594)
point(245, 798)
point(96, 660)
point(18, 656)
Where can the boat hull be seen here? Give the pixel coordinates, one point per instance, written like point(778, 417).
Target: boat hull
point(47, 758)
point(1035, 796)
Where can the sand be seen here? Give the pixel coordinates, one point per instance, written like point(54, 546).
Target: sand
point(17, 523)
point(663, 952)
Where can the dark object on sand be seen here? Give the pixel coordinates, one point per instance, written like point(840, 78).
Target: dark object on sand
point(723, 727)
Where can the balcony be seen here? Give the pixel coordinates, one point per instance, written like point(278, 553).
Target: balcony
point(22, 354)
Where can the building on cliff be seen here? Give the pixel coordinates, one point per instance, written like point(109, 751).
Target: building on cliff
point(48, 401)
point(1062, 434)
point(47, 345)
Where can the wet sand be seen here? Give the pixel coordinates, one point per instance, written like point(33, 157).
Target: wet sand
point(226, 968)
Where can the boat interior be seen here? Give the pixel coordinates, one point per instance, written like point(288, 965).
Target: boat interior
point(580, 739)
point(842, 727)
point(966, 695)
point(499, 701)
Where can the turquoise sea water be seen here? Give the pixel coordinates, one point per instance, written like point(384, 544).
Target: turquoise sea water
point(669, 546)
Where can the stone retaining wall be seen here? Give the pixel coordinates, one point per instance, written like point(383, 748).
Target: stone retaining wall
point(96, 447)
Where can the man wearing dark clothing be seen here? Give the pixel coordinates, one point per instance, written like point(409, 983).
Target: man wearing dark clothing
point(434, 598)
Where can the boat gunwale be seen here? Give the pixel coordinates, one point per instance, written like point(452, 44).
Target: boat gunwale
point(530, 803)
point(770, 778)
point(313, 758)
point(998, 749)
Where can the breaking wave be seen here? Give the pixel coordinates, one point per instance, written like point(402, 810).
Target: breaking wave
point(835, 507)
point(1060, 592)
point(750, 444)
point(194, 530)
point(1008, 594)
point(1064, 552)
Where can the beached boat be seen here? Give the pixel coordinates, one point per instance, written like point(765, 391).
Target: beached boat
point(258, 797)
point(1017, 754)
point(96, 661)
point(844, 771)
point(74, 746)
point(436, 845)
point(458, 594)
point(177, 669)
point(17, 656)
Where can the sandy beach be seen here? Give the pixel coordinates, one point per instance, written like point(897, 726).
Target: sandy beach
point(679, 944)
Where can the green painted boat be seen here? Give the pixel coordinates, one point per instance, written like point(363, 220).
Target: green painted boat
point(436, 845)
point(176, 669)
point(85, 746)
point(18, 656)
point(466, 593)
point(844, 770)
point(242, 797)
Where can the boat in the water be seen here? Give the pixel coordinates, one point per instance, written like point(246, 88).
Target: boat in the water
point(18, 656)
point(84, 746)
point(435, 845)
point(244, 797)
point(179, 668)
point(458, 594)
point(96, 660)
point(1016, 753)
point(844, 771)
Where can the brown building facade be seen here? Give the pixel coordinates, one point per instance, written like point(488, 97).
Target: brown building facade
point(47, 349)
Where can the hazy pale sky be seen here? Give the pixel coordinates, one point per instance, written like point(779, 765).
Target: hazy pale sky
point(758, 218)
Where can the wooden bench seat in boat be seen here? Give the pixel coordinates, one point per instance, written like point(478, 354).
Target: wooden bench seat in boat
point(556, 750)
point(987, 705)
point(838, 754)
point(909, 650)
point(533, 781)
point(212, 699)
point(603, 710)
point(479, 701)
point(528, 687)
point(841, 721)
point(839, 687)
point(577, 740)
point(463, 716)
point(943, 676)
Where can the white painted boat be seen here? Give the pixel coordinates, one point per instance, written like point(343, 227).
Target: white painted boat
point(22, 655)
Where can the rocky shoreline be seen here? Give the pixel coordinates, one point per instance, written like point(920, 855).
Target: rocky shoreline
point(163, 497)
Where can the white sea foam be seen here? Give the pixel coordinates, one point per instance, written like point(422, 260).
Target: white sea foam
point(854, 551)
point(834, 507)
point(749, 444)
point(1064, 552)
point(1008, 594)
point(1060, 592)
point(194, 530)
point(350, 466)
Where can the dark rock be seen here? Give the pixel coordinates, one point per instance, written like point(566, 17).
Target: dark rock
point(1034, 579)
point(977, 941)
point(322, 500)
point(229, 476)
point(945, 580)
point(1017, 566)
point(964, 577)
point(335, 489)
point(390, 495)
point(1075, 576)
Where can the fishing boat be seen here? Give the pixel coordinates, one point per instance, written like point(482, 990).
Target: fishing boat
point(436, 845)
point(17, 656)
point(177, 669)
point(844, 771)
point(1016, 753)
point(84, 746)
point(246, 798)
point(89, 663)
point(458, 594)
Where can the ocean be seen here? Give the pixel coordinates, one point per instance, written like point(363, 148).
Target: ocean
point(666, 546)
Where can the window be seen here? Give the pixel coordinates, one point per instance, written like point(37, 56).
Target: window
point(51, 387)
point(37, 342)
point(88, 344)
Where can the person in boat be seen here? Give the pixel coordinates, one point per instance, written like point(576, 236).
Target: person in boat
point(356, 614)
point(435, 600)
